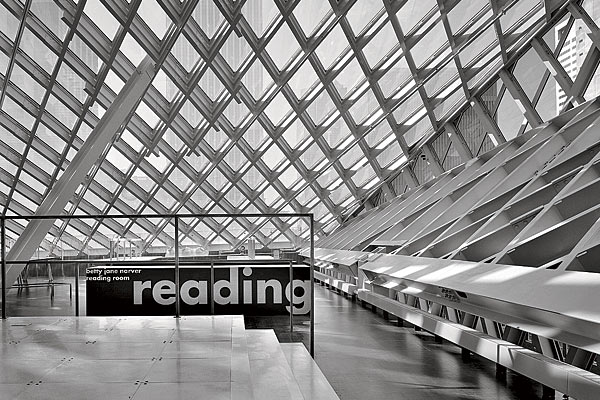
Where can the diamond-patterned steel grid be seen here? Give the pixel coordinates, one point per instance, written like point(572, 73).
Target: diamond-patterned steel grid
point(261, 106)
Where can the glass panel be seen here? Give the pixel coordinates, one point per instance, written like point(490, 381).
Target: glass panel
point(363, 106)
point(332, 46)
point(257, 80)
point(26, 83)
point(434, 40)
point(72, 82)
point(50, 15)
point(38, 51)
point(215, 139)
point(61, 112)
point(282, 47)
point(260, 14)
point(278, 108)
point(380, 45)
point(411, 13)
point(347, 79)
point(191, 114)
point(477, 47)
point(185, 53)
point(338, 134)
point(236, 112)
point(102, 18)
point(211, 85)
point(165, 85)
point(18, 113)
point(295, 134)
point(155, 17)
point(464, 11)
point(395, 77)
point(309, 14)
point(515, 13)
point(235, 158)
point(235, 50)
point(361, 13)
point(320, 108)
point(9, 26)
point(132, 50)
point(208, 17)
point(389, 154)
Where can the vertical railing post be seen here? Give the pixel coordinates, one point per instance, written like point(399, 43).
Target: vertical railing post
point(177, 291)
point(291, 300)
point(212, 288)
point(3, 254)
point(77, 289)
point(312, 285)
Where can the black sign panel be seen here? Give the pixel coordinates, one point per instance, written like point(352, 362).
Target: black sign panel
point(249, 290)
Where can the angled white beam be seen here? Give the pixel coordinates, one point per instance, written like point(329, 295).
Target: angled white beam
point(459, 142)
point(432, 160)
point(553, 65)
point(487, 120)
point(520, 97)
point(113, 121)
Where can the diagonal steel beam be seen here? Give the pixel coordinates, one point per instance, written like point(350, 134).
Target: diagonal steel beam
point(110, 125)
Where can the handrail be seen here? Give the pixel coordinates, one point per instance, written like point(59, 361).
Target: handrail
point(170, 261)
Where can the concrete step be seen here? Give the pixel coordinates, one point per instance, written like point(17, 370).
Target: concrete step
point(271, 375)
point(313, 384)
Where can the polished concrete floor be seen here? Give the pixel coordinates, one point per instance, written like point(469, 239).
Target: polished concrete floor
point(362, 355)
point(123, 358)
point(190, 358)
point(366, 357)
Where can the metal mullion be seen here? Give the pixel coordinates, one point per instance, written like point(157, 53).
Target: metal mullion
point(94, 38)
point(36, 72)
point(139, 31)
point(25, 190)
point(451, 40)
point(115, 53)
point(579, 12)
point(13, 126)
point(173, 10)
point(344, 113)
point(67, 99)
point(34, 24)
point(517, 92)
point(332, 162)
point(10, 154)
point(406, 50)
point(190, 88)
point(44, 102)
point(273, 94)
point(496, 10)
point(23, 100)
point(79, 226)
point(265, 122)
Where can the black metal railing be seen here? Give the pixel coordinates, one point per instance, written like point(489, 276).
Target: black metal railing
point(175, 261)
